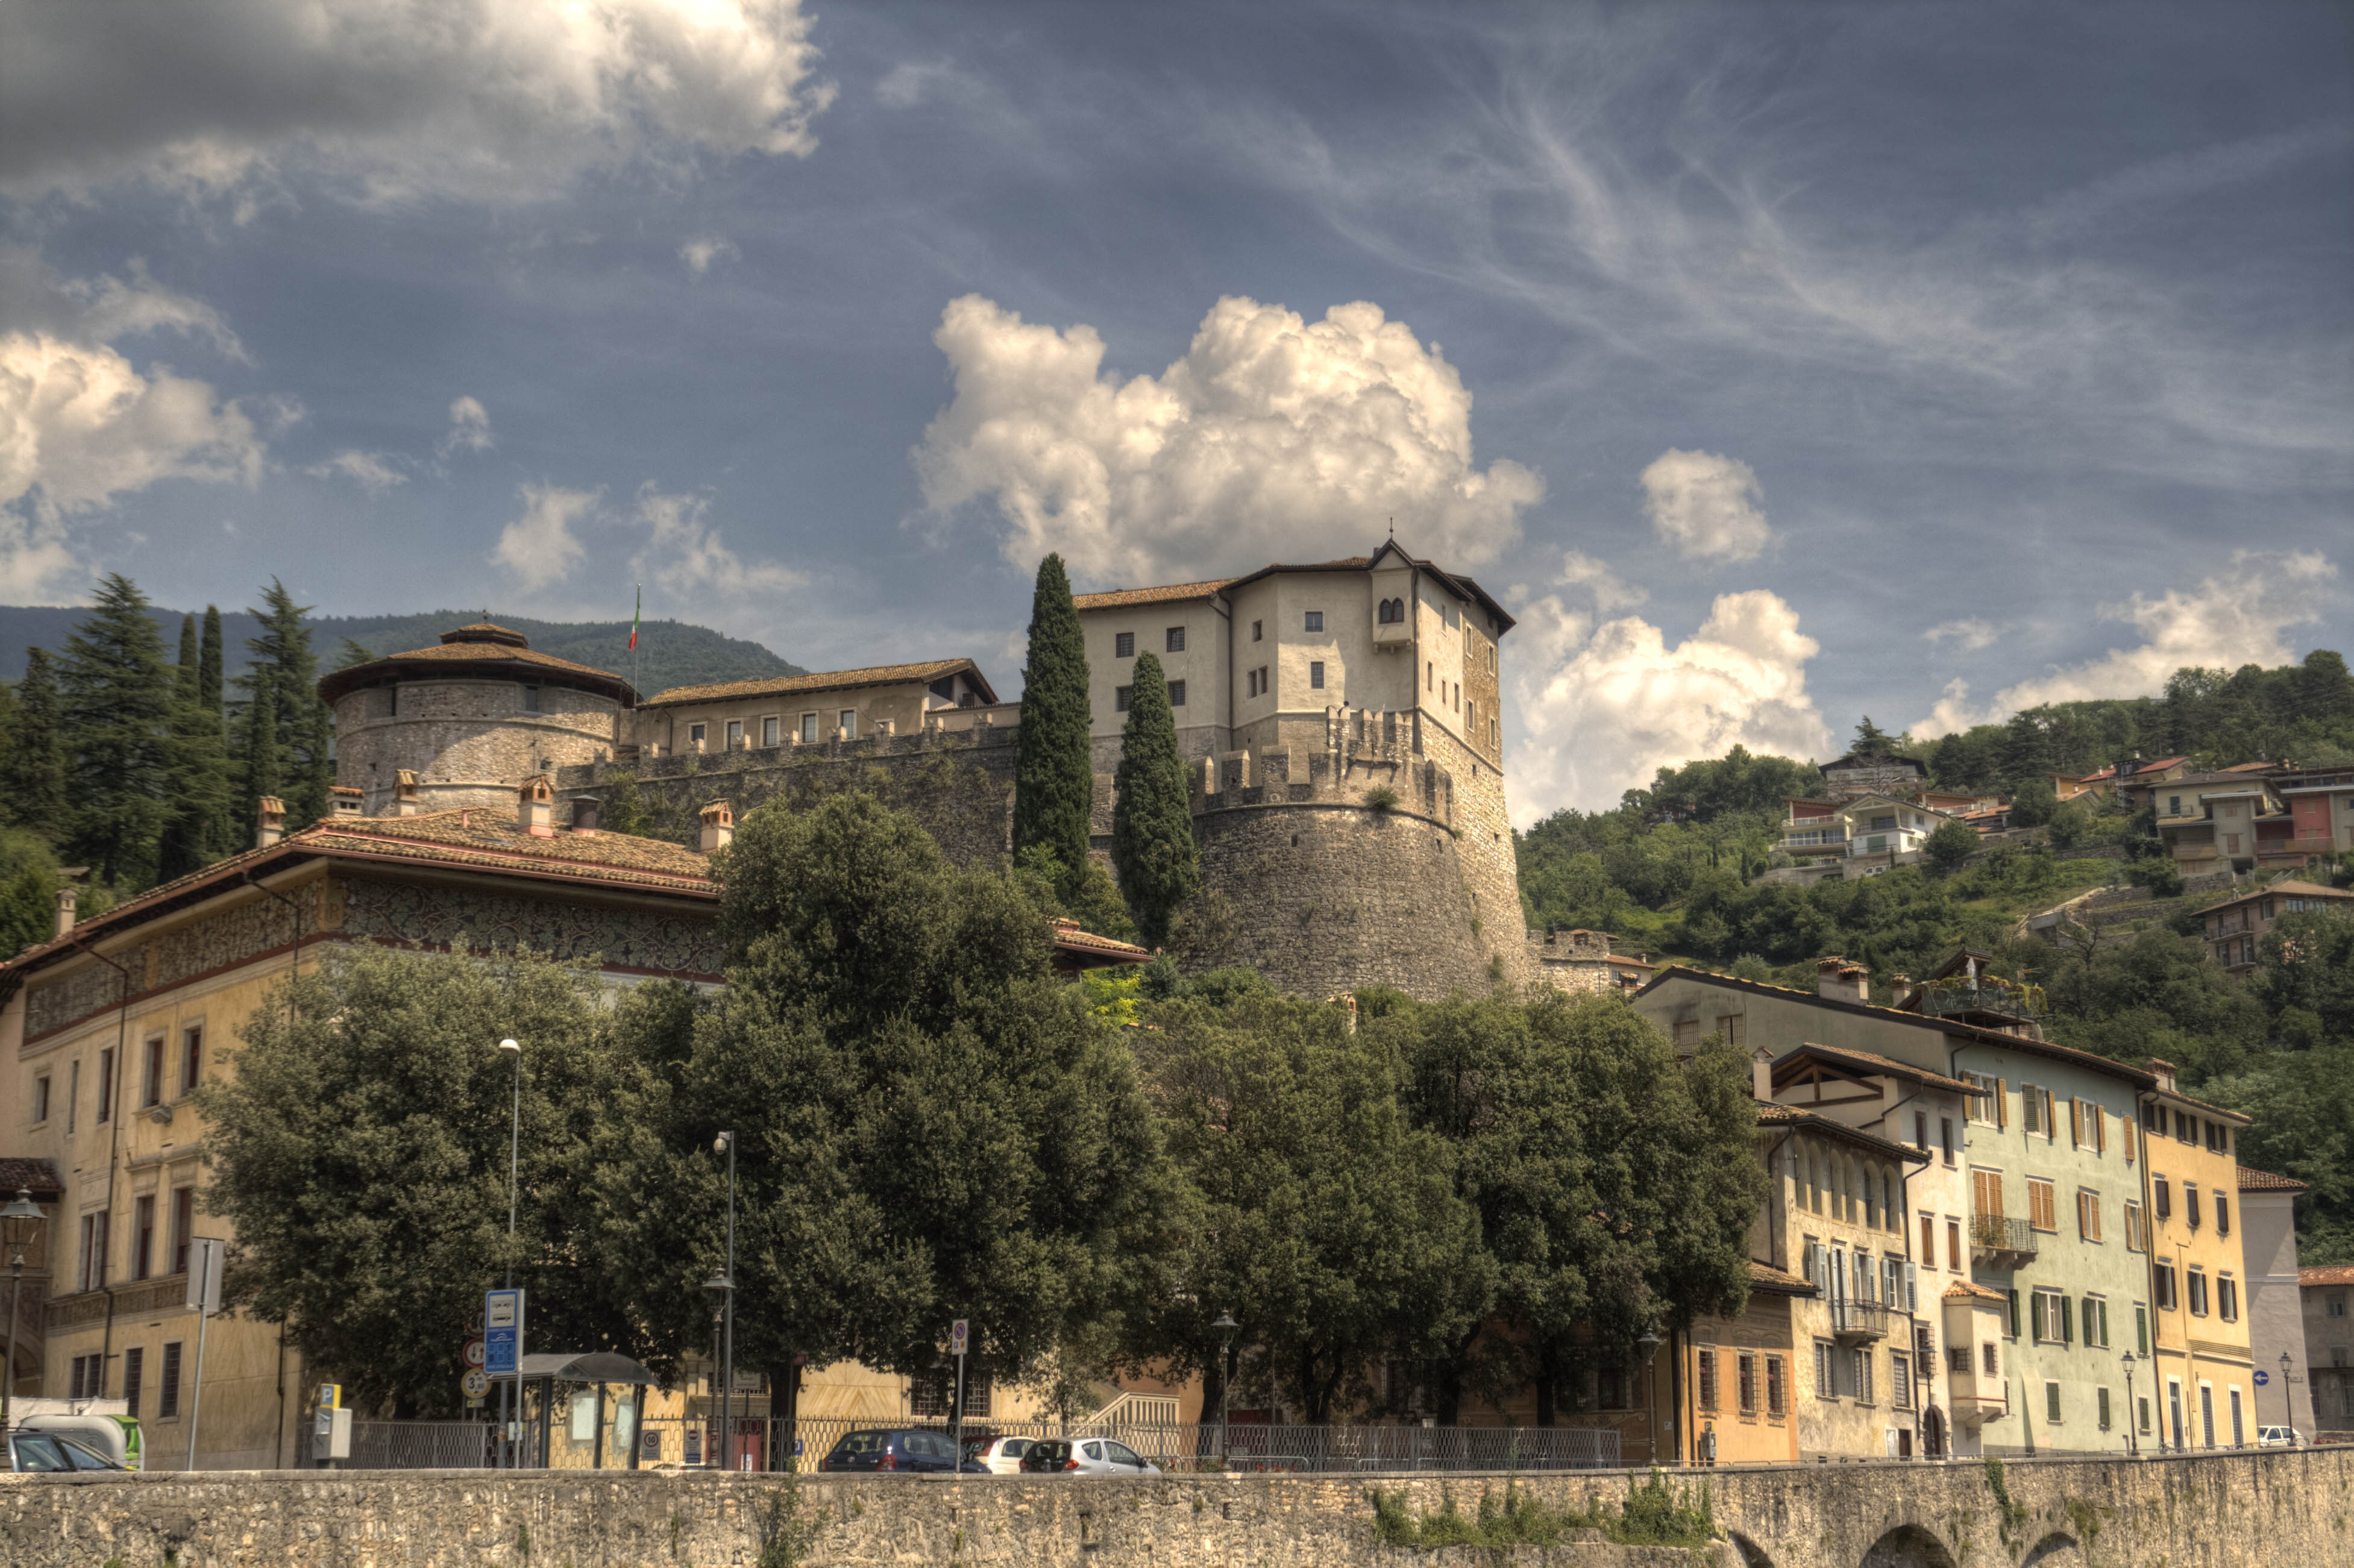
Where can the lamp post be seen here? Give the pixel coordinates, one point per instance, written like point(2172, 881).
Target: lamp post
point(1224, 1329)
point(721, 1287)
point(20, 1227)
point(1649, 1345)
point(727, 1140)
point(513, 1386)
point(2133, 1411)
point(2288, 1400)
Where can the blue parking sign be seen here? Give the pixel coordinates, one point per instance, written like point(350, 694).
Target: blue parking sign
point(502, 1332)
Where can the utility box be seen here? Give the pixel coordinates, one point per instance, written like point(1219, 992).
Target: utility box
point(331, 1436)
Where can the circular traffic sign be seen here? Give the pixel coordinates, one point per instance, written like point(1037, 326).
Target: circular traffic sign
point(474, 1353)
point(477, 1384)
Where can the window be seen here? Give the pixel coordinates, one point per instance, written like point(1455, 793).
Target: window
point(1929, 1241)
point(1990, 1354)
point(2141, 1403)
point(2088, 1216)
point(142, 1236)
point(73, 1093)
point(696, 734)
point(183, 1226)
point(2030, 1106)
point(168, 1397)
point(2096, 1322)
point(1705, 1377)
point(809, 729)
point(1921, 1131)
point(2161, 1197)
point(2196, 1277)
point(2219, 1138)
point(1314, 620)
point(2052, 1401)
point(1746, 1383)
point(2043, 1316)
point(2239, 1431)
point(2103, 1395)
point(1610, 1388)
point(41, 1097)
point(1958, 1360)
point(771, 730)
point(151, 1087)
point(1826, 1369)
point(1391, 612)
point(850, 724)
point(94, 1244)
point(1429, 683)
point(2337, 1307)
point(1688, 1032)
point(2223, 1215)
point(1733, 1026)
point(1953, 1243)
point(1986, 1193)
point(735, 735)
point(2207, 1412)
point(530, 699)
point(2227, 1298)
point(1121, 698)
point(1774, 1387)
point(1176, 694)
point(2186, 1129)
point(1316, 675)
point(1946, 1139)
point(2043, 1206)
point(1173, 640)
point(1258, 631)
point(1899, 1381)
point(83, 1381)
point(135, 1367)
point(2162, 1286)
point(2137, 1238)
point(2190, 1204)
point(1861, 1370)
point(1123, 645)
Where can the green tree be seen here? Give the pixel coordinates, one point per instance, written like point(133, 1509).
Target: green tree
point(116, 693)
point(1053, 772)
point(1951, 846)
point(361, 1149)
point(2032, 803)
point(33, 767)
point(1871, 740)
point(211, 672)
point(932, 1126)
point(285, 668)
point(258, 745)
point(194, 824)
point(1151, 821)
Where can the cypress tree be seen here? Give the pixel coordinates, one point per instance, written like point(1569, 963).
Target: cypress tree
point(210, 685)
point(33, 769)
point(196, 832)
point(117, 696)
point(1054, 775)
point(1153, 843)
point(258, 740)
point(284, 662)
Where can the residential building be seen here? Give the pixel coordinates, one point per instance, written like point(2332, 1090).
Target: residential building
point(2218, 823)
point(2320, 802)
point(2200, 1342)
point(2108, 780)
point(788, 711)
point(1863, 829)
point(2327, 1291)
point(2235, 928)
point(1737, 1378)
point(1860, 774)
point(2276, 1306)
point(2052, 1171)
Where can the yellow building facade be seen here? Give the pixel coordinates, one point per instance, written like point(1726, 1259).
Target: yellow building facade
point(2188, 1222)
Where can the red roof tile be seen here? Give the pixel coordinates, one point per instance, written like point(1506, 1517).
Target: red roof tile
point(2254, 1180)
point(2327, 1273)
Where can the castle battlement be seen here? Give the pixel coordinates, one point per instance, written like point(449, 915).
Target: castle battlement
point(1364, 754)
point(991, 730)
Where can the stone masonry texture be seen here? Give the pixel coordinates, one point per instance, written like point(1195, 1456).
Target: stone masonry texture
point(2239, 1511)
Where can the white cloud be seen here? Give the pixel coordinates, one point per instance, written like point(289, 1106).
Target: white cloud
point(372, 472)
point(914, 83)
point(1271, 438)
point(397, 99)
point(687, 558)
point(470, 429)
point(1602, 713)
point(700, 253)
point(1967, 636)
point(1950, 714)
point(540, 546)
point(1707, 506)
point(1610, 590)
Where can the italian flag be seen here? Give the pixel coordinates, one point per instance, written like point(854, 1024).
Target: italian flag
point(635, 616)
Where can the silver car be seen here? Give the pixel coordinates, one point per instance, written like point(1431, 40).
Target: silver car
point(1086, 1457)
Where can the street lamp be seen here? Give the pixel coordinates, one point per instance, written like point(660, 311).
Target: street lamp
point(20, 1227)
point(2133, 1411)
point(1224, 1329)
point(1649, 1345)
point(2288, 1401)
point(721, 1287)
point(513, 1386)
point(727, 1140)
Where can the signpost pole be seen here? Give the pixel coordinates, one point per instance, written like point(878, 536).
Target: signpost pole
point(204, 1285)
point(960, 1332)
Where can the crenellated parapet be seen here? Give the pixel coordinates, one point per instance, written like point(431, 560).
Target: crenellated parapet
point(1368, 759)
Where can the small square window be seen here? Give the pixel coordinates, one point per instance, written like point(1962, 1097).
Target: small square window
point(530, 699)
point(1316, 675)
point(1176, 642)
point(1258, 631)
point(1121, 696)
point(1123, 645)
point(696, 734)
point(771, 729)
point(1314, 620)
point(1176, 694)
point(41, 1097)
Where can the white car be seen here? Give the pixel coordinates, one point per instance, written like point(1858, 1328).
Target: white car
point(2275, 1436)
point(1086, 1457)
point(1002, 1455)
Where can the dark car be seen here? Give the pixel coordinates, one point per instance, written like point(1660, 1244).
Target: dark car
point(46, 1452)
point(903, 1450)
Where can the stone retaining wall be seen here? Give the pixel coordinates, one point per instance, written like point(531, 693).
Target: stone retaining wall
point(2236, 1511)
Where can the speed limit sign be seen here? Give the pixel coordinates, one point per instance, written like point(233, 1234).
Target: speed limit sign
point(477, 1384)
point(474, 1353)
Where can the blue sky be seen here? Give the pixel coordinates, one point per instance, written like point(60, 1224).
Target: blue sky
point(1776, 364)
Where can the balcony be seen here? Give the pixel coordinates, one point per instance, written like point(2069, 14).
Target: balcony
point(1820, 840)
point(1853, 1322)
point(2000, 1242)
point(1939, 1000)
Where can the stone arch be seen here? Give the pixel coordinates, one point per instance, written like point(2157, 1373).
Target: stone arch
point(1908, 1546)
point(2059, 1548)
point(1752, 1554)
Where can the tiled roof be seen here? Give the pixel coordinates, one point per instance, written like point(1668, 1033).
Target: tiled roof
point(486, 632)
point(1780, 1282)
point(2248, 767)
point(1122, 599)
point(1069, 937)
point(1871, 1063)
point(927, 670)
point(1772, 1113)
point(1968, 1290)
point(35, 1176)
point(2254, 1180)
point(2327, 1273)
point(2286, 885)
point(514, 655)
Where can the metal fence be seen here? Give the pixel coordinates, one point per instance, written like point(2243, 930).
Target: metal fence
point(767, 1445)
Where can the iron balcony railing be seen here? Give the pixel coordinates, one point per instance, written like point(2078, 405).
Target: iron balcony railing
point(1859, 1321)
point(1999, 1233)
point(2012, 1003)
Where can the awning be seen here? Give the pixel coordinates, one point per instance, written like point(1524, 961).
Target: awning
point(586, 1366)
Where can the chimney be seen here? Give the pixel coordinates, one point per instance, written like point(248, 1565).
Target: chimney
point(1836, 980)
point(270, 825)
point(718, 827)
point(1761, 1074)
point(584, 814)
point(2165, 1071)
point(67, 895)
point(404, 802)
point(343, 800)
point(1899, 987)
point(534, 808)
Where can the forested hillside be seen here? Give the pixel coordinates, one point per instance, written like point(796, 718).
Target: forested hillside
point(1670, 872)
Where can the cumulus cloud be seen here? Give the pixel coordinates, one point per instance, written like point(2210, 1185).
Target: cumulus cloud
point(700, 253)
point(396, 100)
point(1604, 710)
point(684, 555)
point(1707, 506)
point(1967, 636)
point(372, 472)
point(1271, 438)
point(470, 429)
point(540, 546)
point(1610, 590)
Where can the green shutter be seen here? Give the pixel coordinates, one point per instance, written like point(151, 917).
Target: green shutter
point(2141, 1330)
point(2067, 1321)
point(2014, 1314)
point(2104, 1325)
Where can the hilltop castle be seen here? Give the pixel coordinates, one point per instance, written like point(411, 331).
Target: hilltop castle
point(1344, 719)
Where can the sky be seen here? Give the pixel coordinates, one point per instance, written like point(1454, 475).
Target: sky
point(1774, 364)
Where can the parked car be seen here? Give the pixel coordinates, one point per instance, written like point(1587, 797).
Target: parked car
point(905, 1450)
point(35, 1453)
point(998, 1455)
point(1086, 1457)
point(2275, 1436)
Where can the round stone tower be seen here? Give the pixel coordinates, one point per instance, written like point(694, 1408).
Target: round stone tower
point(468, 720)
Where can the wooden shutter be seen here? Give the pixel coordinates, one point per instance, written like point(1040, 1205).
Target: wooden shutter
point(2076, 1122)
point(2051, 1131)
point(2030, 1106)
point(1985, 1192)
point(2100, 1130)
point(2125, 1127)
point(2001, 1104)
point(2067, 1321)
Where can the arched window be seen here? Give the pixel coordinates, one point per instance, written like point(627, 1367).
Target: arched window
point(1393, 611)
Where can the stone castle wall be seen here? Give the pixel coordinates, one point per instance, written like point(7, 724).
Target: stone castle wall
point(469, 742)
point(2237, 1510)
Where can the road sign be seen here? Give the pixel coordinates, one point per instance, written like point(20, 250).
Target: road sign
point(474, 1353)
point(2262, 1378)
point(205, 1273)
point(477, 1384)
point(331, 1396)
point(503, 1324)
point(957, 1338)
